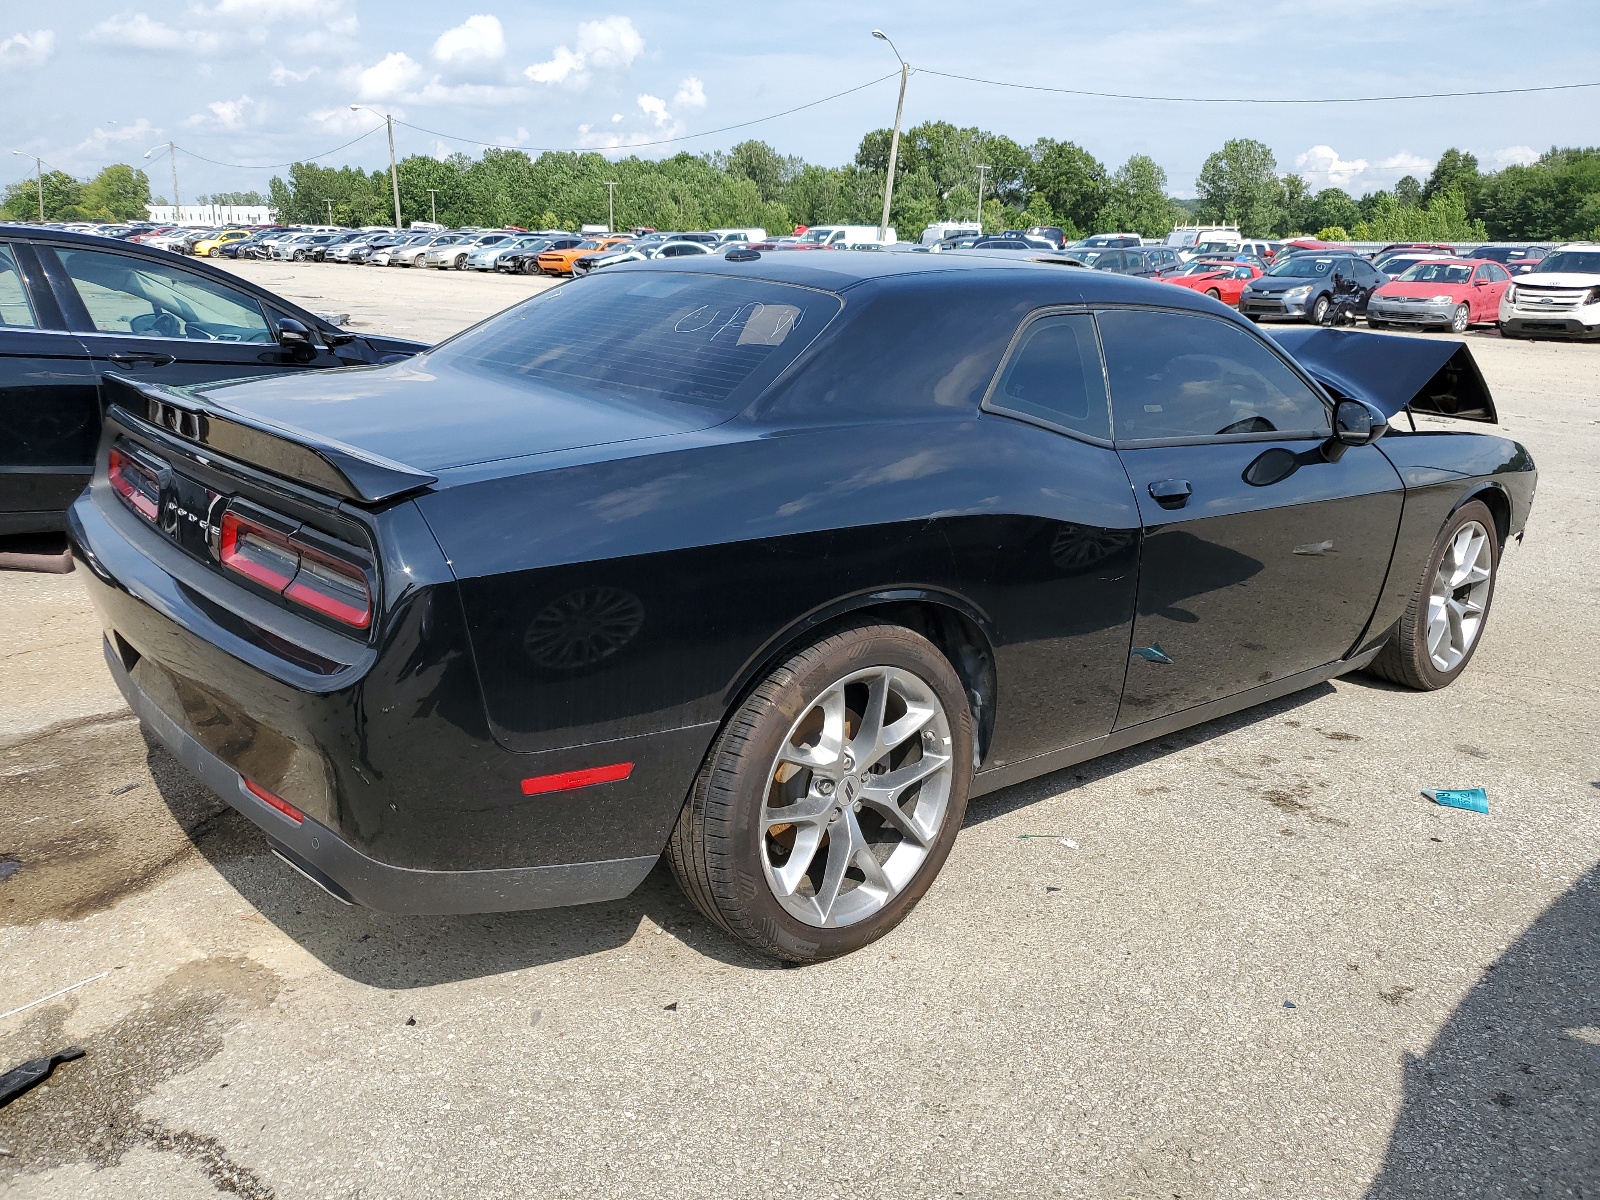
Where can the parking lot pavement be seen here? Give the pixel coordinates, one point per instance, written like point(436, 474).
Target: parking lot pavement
point(1265, 966)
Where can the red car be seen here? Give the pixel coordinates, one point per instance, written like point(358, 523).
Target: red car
point(1219, 280)
point(1450, 293)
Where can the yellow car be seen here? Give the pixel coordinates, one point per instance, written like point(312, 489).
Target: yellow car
point(210, 247)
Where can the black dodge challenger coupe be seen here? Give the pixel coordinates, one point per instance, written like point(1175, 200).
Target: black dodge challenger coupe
point(770, 564)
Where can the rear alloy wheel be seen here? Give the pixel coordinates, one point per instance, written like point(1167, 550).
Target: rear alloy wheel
point(831, 797)
point(1319, 310)
point(1460, 319)
point(1443, 624)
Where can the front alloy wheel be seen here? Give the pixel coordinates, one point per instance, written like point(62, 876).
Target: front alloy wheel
point(1435, 638)
point(831, 797)
point(1460, 319)
point(1319, 310)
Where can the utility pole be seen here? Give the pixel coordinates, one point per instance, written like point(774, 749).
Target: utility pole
point(172, 154)
point(894, 142)
point(982, 167)
point(329, 203)
point(433, 206)
point(38, 166)
point(394, 175)
point(611, 205)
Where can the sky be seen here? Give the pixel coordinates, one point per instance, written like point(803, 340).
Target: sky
point(252, 82)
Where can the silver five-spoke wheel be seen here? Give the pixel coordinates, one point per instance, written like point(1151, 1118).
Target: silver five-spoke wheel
point(857, 797)
point(1460, 596)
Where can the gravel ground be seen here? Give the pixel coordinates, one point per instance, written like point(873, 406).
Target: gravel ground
point(1267, 967)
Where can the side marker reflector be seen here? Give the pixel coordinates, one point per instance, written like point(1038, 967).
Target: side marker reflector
point(566, 781)
point(277, 802)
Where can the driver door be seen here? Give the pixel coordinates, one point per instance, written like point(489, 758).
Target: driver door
point(165, 324)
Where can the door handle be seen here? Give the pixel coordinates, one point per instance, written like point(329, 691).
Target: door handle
point(155, 360)
point(1171, 493)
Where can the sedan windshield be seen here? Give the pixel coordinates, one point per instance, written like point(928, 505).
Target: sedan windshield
point(1302, 266)
point(1437, 272)
point(1203, 268)
point(1586, 262)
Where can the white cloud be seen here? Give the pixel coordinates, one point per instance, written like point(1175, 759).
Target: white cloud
point(478, 39)
point(27, 49)
point(611, 43)
point(483, 95)
point(396, 74)
point(655, 107)
point(1520, 156)
point(344, 120)
point(691, 93)
point(282, 76)
point(96, 143)
point(224, 114)
point(141, 33)
point(1321, 167)
point(615, 117)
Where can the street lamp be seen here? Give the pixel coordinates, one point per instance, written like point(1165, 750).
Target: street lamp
point(894, 142)
point(329, 203)
point(394, 176)
point(611, 205)
point(38, 166)
point(433, 206)
point(172, 153)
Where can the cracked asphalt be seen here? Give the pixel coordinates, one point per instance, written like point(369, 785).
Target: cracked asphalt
point(1248, 960)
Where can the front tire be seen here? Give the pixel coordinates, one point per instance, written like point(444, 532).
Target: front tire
point(1443, 625)
point(1460, 319)
point(1214, 294)
point(832, 796)
point(1319, 310)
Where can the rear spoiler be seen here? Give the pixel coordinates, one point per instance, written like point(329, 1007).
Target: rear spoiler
point(1397, 374)
point(292, 453)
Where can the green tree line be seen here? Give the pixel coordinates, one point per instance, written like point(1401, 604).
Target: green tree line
point(939, 172)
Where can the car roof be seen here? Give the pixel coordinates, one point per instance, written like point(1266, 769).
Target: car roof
point(1052, 282)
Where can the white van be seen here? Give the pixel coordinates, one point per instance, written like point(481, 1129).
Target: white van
point(848, 236)
point(740, 235)
point(1187, 239)
point(939, 230)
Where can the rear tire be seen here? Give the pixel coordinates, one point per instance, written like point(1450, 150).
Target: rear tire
point(795, 740)
point(1443, 625)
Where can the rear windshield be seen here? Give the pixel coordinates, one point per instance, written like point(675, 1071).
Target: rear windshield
point(696, 339)
point(1586, 262)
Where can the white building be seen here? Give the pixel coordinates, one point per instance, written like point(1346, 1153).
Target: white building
point(210, 214)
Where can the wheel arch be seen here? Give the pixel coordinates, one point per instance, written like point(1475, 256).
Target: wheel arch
point(959, 629)
point(1494, 498)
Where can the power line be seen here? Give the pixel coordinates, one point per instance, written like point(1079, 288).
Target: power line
point(660, 141)
point(271, 166)
point(1036, 87)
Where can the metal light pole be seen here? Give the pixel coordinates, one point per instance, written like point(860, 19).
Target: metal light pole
point(433, 206)
point(38, 166)
point(894, 142)
point(394, 175)
point(611, 205)
point(329, 203)
point(982, 167)
point(172, 154)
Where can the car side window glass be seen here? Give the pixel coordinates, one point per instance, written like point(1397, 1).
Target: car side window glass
point(15, 310)
point(1494, 273)
point(1111, 260)
point(1181, 376)
point(135, 296)
point(1054, 375)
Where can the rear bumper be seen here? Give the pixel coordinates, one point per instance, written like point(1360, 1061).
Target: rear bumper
point(333, 863)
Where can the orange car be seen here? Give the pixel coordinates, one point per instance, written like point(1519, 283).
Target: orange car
point(559, 262)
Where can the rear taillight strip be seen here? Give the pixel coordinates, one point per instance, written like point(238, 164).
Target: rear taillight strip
point(138, 486)
point(310, 578)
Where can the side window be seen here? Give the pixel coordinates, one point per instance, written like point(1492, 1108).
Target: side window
point(133, 296)
point(1111, 260)
point(1054, 375)
point(15, 311)
point(1494, 273)
point(1178, 376)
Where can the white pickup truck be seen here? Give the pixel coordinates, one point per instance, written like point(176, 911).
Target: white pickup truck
point(848, 236)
